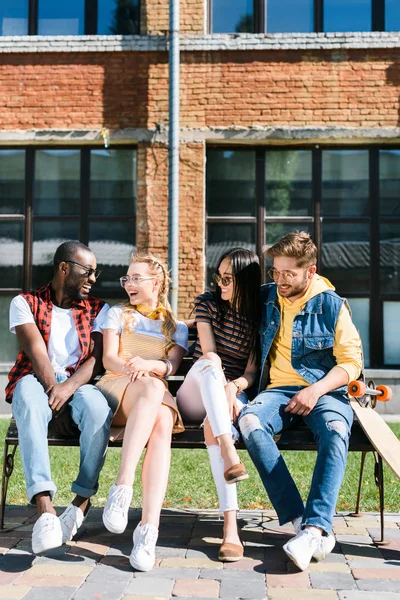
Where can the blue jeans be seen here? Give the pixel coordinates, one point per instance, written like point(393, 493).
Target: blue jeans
point(330, 421)
point(91, 413)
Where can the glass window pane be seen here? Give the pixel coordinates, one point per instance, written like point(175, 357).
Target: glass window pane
point(116, 17)
point(390, 257)
point(274, 232)
point(9, 346)
point(57, 183)
point(289, 16)
point(360, 314)
point(288, 183)
point(113, 182)
point(391, 333)
point(11, 254)
point(112, 244)
point(346, 256)
point(61, 18)
point(230, 16)
point(347, 15)
point(392, 15)
point(14, 17)
point(222, 237)
point(12, 181)
point(389, 172)
point(231, 183)
point(345, 183)
point(47, 236)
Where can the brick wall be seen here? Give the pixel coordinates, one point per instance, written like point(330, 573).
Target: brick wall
point(154, 17)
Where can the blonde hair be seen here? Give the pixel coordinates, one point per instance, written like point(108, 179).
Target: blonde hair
point(298, 245)
point(158, 269)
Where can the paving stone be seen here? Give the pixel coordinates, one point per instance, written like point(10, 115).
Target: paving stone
point(59, 570)
point(150, 586)
point(344, 530)
point(205, 588)
point(106, 590)
point(230, 574)
point(49, 593)
point(294, 593)
point(100, 549)
point(51, 581)
point(117, 562)
point(191, 563)
point(144, 597)
point(242, 588)
point(7, 543)
point(374, 564)
point(13, 591)
point(354, 539)
point(359, 595)
point(205, 552)
point(168, 573)
point(353, 552)
point(109, 573)
point(14, 563)
point(386, 585)
point(376, 573)
point(332, 581)
point(390, 534)
point(328, 567)
point(166, 552)
point(288, 580)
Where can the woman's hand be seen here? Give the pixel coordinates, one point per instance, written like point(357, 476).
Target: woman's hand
point(138, 367)
point(231, 391)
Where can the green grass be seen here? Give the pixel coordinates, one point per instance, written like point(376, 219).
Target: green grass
point(191, 485)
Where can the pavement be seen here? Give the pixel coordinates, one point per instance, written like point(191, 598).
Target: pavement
point(95, 565)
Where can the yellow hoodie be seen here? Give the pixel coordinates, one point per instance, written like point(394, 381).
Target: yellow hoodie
point(347, 344)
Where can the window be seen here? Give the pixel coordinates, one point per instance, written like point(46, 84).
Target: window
point(76, 17)
point(302, 16)
point(51, 195)
point(348, 199)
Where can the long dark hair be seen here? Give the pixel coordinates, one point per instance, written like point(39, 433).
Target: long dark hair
point(245, 301)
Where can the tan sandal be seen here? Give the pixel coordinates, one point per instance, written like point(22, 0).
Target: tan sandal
point(230, 552)
point(236, 473)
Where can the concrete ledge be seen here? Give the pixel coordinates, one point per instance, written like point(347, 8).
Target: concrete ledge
point(209, 42)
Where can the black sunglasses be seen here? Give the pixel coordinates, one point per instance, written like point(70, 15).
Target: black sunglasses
point(88, 270)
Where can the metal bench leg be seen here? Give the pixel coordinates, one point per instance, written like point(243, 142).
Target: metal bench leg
point(380, 485)
point(357, 513)
point(8, 467)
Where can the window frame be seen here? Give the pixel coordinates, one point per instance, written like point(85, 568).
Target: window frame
point(376, 296)
point(83, 217)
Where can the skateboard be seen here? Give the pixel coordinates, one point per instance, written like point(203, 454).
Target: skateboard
point(363, 400)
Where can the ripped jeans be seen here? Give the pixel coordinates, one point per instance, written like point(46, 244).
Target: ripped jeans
point(330, 421)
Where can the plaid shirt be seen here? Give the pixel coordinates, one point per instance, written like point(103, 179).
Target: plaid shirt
point(84, 313)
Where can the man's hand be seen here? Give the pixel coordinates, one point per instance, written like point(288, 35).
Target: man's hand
point(303, 402)
point(58, 395)
point(231, 391)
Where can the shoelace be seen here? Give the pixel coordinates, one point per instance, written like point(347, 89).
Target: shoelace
point(48, 525)
point(147, 538)
point(120, 499)
point(311, 537)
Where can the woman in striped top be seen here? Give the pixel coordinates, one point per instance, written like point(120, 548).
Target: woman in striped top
point(143, 343)
point(226, 365)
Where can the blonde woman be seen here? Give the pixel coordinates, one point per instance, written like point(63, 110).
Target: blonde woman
point(143, 343)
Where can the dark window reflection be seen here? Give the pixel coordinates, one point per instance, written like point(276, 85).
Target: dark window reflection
point(113, 182)
point(221, 238)
point(391, 332)
point(61, 18)
point(390, 258)
point(347, 15)
point(288, 183)
point(57, 183)
point(389, 170)
point(12, 253)
point(346, 256)
point(392, 15)
point(345, 183)
point(12, 181)
point(9, 346)
point(231, 182)
point(14, 17)
point(230, 16)
point(118, 17)
point(47, 236)
point(289, 16)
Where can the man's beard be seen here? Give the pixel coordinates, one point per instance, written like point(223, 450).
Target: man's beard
point(73, 291)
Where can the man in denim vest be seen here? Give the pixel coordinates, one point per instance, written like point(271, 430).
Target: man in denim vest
point(310, 351)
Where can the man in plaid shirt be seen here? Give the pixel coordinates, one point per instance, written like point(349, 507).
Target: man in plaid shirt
point(59, 331)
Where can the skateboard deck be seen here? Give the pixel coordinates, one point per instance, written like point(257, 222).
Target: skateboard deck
point(379, 434)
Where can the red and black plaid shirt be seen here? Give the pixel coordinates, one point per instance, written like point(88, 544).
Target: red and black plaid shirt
point(84, 313)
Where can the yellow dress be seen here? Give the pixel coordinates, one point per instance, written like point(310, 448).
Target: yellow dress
point(114, 385)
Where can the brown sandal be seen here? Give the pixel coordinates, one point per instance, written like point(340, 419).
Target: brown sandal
point(236, 473)
point(230, 552)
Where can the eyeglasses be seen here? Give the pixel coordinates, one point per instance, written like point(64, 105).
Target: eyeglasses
point(286, 275)
point(135, 280)
point(222, 280)
point(88, 271)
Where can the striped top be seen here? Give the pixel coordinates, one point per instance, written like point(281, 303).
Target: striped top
point(232, 346)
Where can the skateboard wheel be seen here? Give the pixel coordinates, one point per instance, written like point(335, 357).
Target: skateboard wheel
point(357, 389)
point(386, 393)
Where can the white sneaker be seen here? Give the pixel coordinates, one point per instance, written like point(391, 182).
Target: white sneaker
point(47, 533)
point(71, 519)
point(143, 555)
point(297, 524)
point(301, 548)
point(325, 546)
point(115, 513)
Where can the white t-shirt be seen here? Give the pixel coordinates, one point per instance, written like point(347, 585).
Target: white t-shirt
point(145, 326)
point(63, 348)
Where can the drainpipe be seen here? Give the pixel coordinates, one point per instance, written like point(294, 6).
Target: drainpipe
point(173, 152)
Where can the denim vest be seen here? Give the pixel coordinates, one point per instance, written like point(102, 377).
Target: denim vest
point(313, 334)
